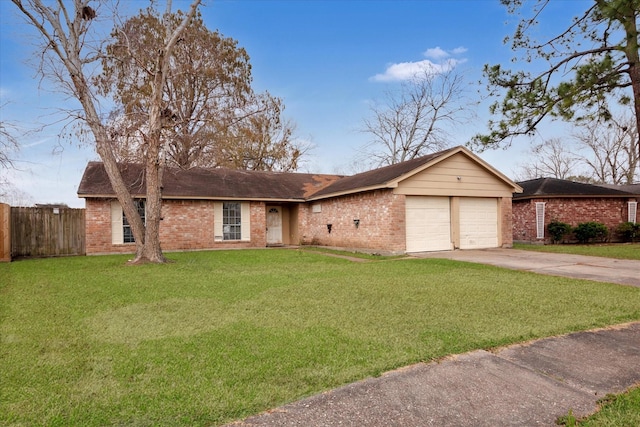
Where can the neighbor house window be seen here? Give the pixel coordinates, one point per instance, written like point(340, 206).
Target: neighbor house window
point(231, 221)
point(540, 220)
point(633, 211)
point(127, 232)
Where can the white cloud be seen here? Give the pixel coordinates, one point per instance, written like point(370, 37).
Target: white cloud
point(440, 61)
point(415, 70)
point(436, 53)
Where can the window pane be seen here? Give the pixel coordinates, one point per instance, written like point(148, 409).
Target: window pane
point(231, 221)
point(127, 233)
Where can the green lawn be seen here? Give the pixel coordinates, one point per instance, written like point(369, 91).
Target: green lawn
point(217, 336)
point(617, 411)
point(620, 251)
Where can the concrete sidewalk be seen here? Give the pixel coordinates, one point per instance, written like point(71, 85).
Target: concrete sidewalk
point(530, 384)
point(621, 271)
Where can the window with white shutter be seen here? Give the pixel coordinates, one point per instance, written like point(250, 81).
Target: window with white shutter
point(633, 211)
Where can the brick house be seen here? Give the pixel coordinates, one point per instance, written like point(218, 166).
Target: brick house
point(547, 199)
point(447, 200)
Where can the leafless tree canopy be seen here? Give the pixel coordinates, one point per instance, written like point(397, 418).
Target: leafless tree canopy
point(8, 143)
point(598, 151)
point(610, 149)
point(550, 159)
point(416, 119)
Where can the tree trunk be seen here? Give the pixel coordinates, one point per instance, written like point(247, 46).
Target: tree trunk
point(103, 147)
point(631, 51)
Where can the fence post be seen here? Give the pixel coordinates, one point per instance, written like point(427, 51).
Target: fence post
point(5, 232)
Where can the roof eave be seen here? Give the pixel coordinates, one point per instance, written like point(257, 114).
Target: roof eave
point(575, 196)
point(352, 191)
point(242, 199)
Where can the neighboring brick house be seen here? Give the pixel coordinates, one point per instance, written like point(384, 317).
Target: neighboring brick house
point(443, 201)
point(547, 199)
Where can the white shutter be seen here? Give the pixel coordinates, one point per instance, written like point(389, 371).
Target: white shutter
point(117, 237)
point(540, 220)
point(245, 226)
point(633, 211)
point(217, 222)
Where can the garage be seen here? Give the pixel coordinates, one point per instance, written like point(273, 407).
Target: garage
point(442, 223)
point(428, 223)
point(478, 223)
point(440, 202)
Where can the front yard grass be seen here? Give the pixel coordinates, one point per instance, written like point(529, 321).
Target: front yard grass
point(217, 336)
point(619, 251)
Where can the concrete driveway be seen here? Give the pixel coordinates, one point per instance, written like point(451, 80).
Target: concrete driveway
point(624, 272)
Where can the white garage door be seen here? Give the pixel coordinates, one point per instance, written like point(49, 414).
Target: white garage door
point(478, 223)
point(428, 224)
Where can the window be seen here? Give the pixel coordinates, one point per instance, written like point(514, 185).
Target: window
point(540, 220)
point(127, 232)
point(633, 211)
point(120, 228)
point(231, 221)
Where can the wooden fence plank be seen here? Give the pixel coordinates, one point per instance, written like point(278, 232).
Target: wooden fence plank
point(5, 233)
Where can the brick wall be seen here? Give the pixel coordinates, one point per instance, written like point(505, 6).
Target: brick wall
point(381, 227)
point(506, 222)
point(609, 211)
point(97, 216)
point(186, 225)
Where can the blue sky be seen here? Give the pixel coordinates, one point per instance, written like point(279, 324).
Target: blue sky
point(327, 59)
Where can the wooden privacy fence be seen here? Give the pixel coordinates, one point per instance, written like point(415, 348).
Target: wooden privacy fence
point(5, 232)
point(47, 231)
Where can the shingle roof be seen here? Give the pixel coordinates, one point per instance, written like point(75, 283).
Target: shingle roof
point(208, 183)
point(629, 188)
point(553, 187)
point(222, 183)
point(378, 177)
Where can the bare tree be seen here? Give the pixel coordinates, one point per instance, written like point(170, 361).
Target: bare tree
point(415, 120)
point(550, 159)
point(70, 50)
point(611, 156)
point(12, 195)
point(8, 142)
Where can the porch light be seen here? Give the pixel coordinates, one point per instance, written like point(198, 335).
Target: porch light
point(356, 222)
point(329, 228)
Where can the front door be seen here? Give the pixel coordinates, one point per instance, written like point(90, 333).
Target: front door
point(274, 225)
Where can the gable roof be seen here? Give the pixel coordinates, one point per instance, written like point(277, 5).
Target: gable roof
point(201, 183)
point(390, 176)
point(557, 188)
point(231, 184)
